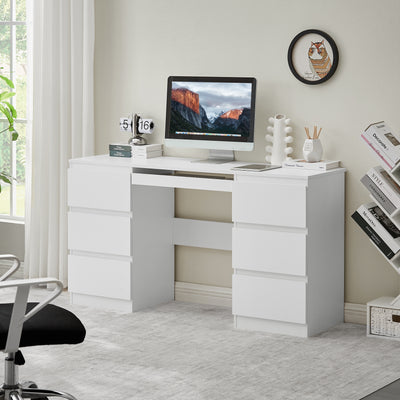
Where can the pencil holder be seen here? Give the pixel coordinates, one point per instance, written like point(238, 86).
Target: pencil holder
point(312, 150)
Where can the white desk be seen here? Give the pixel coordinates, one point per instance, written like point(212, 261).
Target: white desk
point(287, 238)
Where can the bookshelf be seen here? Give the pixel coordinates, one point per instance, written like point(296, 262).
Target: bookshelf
point(383, 184)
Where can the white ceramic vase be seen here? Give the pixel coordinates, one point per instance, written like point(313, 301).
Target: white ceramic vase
point(312, 150)
point(278, 151)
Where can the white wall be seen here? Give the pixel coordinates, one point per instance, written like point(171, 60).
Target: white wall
point(12, 236)
point(139, 43)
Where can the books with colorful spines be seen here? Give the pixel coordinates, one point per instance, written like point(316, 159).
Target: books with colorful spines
point(384, 141)
point(323, 165)
point(386, 184)
point(377, 194)
point(373, 236)
point(381, 224)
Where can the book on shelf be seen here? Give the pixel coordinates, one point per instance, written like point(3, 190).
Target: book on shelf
point(386, 161)
point(378, 195)
point(386, 184)
point(323, 165)
point(384, 141)
point(381, 224)
point(373, 236)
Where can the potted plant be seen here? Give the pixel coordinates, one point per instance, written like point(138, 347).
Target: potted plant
point(8, 110)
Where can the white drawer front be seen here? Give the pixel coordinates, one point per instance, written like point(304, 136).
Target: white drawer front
point(100, 233)
point(269, 251)
point(268, 298)
point(96, 187)
point(269, 203)
point(99, 277)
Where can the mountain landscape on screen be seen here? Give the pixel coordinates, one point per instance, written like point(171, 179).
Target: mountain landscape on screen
point(188, 115)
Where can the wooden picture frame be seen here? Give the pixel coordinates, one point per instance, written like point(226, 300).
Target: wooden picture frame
point(313, 57)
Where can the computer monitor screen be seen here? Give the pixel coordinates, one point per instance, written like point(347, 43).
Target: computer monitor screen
point(210, 112)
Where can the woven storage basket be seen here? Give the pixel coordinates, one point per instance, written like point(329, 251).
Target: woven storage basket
point(385, 321)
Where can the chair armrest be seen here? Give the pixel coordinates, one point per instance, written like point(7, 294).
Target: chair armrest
point(14, 267)
point(18, 316)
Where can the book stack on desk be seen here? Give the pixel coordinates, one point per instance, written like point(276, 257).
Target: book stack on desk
point(147, 151)
point(120, 150)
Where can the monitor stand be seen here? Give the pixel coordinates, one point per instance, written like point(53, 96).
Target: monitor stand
point(218, 157)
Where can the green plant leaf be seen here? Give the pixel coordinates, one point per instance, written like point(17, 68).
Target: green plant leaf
point(12, 109)
point(8, 81)
point(5, 178)
point(14, 135)
point(7, 113)
point(6, 95)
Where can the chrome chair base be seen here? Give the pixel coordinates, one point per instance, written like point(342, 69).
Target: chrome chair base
point(20, 393)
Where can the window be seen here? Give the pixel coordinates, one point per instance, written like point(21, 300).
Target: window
point(13, 60)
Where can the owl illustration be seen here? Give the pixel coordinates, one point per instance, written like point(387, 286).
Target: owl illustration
point(320, 63)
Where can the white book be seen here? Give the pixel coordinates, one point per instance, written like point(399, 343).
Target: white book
point(323, 165)
point(147, 148)
point(144, 156)
point(390, 164)
point(386, 184)
point(384, 139)
point(381, 224)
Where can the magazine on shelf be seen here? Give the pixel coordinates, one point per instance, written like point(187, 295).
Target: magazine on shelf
point(381, 224)
point(385, 140)
point(373, 236)
point(389, 163)
point(386, 184)
point(378, 195)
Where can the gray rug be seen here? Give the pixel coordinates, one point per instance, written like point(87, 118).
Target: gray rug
point(190, 352)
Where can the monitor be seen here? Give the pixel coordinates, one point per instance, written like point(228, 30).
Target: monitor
point(211, 113)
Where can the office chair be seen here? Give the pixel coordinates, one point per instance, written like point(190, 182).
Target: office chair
point(24, 324)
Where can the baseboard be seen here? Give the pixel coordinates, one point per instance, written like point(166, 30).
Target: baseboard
point(203, 294)
point(220, 296)
point(355, 313)
point(5, 266)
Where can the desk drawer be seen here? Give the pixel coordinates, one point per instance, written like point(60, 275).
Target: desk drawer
point(99, 277)
point(268, 298)
point(100, 233)
point(269, 203)
point(269, 251)
point(100, 188)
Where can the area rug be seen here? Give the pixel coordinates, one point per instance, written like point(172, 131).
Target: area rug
point(186, 351)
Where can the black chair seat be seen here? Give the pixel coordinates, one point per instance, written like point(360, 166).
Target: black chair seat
point(51, 325)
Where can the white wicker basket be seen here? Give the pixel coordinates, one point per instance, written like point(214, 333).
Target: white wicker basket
point(385, 322)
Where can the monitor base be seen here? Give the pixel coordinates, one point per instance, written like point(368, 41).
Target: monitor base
point(218, 157)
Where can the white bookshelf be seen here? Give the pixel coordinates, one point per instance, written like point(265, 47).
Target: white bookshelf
point(381, 310)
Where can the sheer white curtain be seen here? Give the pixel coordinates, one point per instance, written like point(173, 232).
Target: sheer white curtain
point(62, 125)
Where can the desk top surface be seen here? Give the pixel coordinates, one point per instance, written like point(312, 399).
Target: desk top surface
point(187, 164)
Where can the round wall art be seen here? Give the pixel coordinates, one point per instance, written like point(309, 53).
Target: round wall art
point(313, 57)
